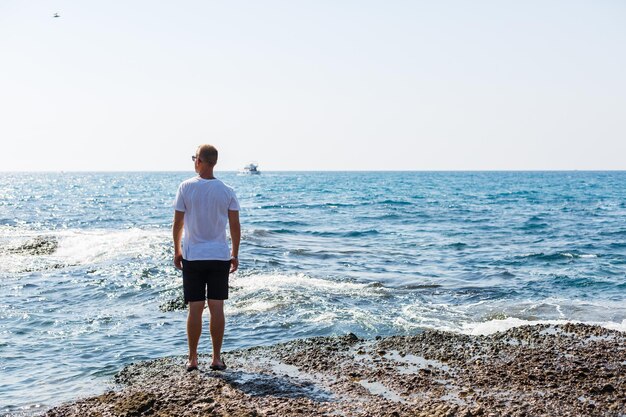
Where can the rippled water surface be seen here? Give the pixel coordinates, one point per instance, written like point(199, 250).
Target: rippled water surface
point(86, 264)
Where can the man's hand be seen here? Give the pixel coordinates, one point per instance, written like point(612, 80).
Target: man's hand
point(234, 264)
point(178, 261)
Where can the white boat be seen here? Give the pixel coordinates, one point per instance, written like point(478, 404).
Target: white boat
point(251, 169)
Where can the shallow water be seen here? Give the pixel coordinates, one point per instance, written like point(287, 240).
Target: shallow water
point(86, 263)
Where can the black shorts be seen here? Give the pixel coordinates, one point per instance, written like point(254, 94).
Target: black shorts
point(205, 280)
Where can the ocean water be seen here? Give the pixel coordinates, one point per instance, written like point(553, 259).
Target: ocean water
point(85, 264)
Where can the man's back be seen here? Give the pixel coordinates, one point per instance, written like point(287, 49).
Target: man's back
point(205, 203)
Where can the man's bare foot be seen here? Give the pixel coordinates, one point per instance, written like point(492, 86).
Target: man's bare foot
point(192, 363)
point(218, 365)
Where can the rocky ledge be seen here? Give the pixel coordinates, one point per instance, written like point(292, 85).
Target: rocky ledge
point(40, 245)
point(564, 370)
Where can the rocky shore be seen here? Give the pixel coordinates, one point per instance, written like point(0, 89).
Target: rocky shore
point(564, 370)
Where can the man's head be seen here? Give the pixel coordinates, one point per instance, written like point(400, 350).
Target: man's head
point(206, 154)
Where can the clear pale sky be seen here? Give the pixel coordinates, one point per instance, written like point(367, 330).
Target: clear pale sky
point(313, 85)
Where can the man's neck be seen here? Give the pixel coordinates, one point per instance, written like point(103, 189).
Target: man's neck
point(207, 174)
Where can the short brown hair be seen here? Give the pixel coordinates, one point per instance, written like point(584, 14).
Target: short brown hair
point(208, 154)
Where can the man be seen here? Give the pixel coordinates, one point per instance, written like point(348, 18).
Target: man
point(202, 206)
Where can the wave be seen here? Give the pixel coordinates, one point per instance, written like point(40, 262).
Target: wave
point(558, 256)
point(319, 254)
point(485, 315)
point(566, 281)
point(75, 247)
point(301, 296)
point(353, 233)
point(419, 286)
point(348, 234)
point(386, 216)
point(394, 203)
point(534, 226)
point(513, 195)
point(266, 233)
point(363, 233)
point(457, 246)
point(86, 247)
point(281, 223)
point(294, 206)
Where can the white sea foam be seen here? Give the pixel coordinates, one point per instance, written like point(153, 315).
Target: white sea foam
point(86, 247)
point(615, 326)
point(504, 315)
point(328, 317)
point(278, 282)
point(299, 298)
point(75, 247)
point(495, 316)
point(501, 325)
point(422, 315)
point(257, 307)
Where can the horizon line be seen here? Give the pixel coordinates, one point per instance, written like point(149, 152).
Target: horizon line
point(314, 171)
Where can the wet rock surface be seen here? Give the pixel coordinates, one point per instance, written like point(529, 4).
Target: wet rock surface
point(565, 370)
point(175, 304)
point(41, 245)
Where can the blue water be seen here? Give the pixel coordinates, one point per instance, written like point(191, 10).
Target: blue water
point(322, 253)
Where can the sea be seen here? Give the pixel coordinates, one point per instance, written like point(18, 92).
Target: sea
point(86, 270)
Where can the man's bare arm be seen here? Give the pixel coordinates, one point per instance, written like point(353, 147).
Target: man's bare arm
point(177, 232)
point(235, 236)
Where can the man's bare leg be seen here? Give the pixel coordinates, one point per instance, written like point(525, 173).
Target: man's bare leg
point(218, 322)
point(194, 330)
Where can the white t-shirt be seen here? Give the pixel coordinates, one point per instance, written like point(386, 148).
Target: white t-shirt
point(206, 204)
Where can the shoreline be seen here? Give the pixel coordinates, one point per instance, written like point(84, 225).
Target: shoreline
point(570, 369)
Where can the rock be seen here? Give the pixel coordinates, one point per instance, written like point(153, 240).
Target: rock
point(352, 337)
point(134, 405)
point(607, 389)
point(175, 304)
point(41, 245)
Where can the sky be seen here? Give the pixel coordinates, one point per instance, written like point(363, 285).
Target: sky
point(313, 85)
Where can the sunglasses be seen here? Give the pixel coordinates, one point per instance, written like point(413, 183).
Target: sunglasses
point(194, 158)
